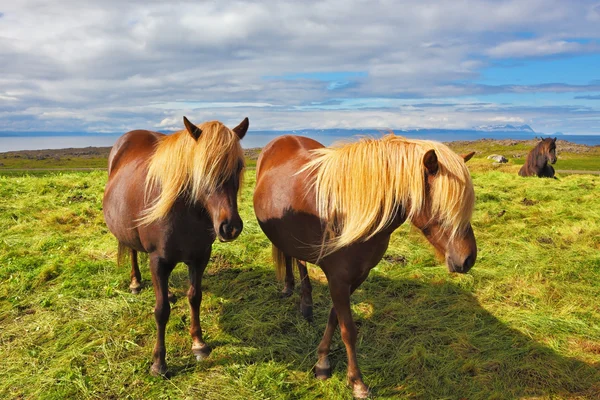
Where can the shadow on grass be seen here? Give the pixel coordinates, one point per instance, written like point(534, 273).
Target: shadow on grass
point(415, 339)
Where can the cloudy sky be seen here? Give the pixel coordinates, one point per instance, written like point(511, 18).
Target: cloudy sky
point(114, 65)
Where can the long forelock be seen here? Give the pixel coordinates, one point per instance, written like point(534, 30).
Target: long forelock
point(361, 186)
point(539, 150)
point(182, 166)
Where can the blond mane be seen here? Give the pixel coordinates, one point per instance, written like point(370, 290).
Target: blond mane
point(182, 166)
point(360, 187)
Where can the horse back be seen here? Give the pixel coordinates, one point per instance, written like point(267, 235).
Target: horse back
point(279, 185)
point(123, 199)
point(132, 146)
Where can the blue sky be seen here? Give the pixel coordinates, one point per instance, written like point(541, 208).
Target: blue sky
point(112, 66)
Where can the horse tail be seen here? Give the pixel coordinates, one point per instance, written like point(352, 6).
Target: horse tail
point(123, 253)
point(279, 260)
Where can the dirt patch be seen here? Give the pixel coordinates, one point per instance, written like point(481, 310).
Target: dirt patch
point(76, 199)
point(545, 240)
point(586, 345)
point(528, 202)
point(395, 259)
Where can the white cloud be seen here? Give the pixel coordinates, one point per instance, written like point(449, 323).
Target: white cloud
point(102, 65)
point(537, 47)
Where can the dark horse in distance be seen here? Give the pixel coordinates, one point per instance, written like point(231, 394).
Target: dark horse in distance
point(337, 207)
point(171, 196)
point(537, 160)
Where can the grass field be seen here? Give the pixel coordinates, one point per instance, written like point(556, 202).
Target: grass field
point(524, 323)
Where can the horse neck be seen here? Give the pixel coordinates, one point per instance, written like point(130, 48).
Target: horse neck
point(541, 158)
point(398, 219)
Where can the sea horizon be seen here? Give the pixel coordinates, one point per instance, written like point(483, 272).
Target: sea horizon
point(17, 141)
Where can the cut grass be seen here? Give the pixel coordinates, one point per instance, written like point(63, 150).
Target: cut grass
point(524, 323)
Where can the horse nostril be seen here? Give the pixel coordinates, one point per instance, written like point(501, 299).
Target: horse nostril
point(236, 229)
point(223, 229)
point(230, 230)
point(469, 262)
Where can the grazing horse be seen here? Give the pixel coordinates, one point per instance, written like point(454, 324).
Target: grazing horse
point(337, 207)
point(537, 160)
point(171, 196)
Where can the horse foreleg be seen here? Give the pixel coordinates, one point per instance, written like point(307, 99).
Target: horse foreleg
point(340, 294)
point(136, 276)
point(200, 349)
point(323, 367)
point(306, 302)
point(160, 270)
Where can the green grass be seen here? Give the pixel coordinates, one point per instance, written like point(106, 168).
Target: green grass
point(60, 163)
point(525, 323)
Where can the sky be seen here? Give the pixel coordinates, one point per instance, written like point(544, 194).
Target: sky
point(111, 66)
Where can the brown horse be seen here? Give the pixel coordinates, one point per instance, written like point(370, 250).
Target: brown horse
point(171, 196)
point(537, 160)
point(337, 207)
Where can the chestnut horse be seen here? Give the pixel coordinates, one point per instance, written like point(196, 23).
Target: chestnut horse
point(537, 160)
point(337, 207)
point(171, 196)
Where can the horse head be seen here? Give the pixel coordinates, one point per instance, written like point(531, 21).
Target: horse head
point(453, 238)
point(226, 171)
point(549, 149)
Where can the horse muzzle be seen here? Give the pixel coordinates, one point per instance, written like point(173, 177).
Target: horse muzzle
point(229, 230)
point(461, 267)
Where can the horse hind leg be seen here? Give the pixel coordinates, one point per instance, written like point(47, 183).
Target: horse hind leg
point(123, 253)
point(283, 262)
point(306, 301)
point(288, 287)
point(136, 277)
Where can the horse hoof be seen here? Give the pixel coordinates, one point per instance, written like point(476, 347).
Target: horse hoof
point(360, 391)
point(201, 352)
point(307, 312)
point(287, 292)
point(135, 288)
point(159, 370)
point(172, 298)
point(322, 373)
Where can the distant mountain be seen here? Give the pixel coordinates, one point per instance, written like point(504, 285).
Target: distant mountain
point(504, 128)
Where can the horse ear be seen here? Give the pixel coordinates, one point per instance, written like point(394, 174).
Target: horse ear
point(430, 161)
point(467, 157)
point(242, 128)
point(192, 129)
point(554, 140)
